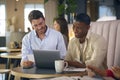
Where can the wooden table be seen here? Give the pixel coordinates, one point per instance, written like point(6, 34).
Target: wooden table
point(8, 50)
point(5, 49)
point(9, 56)
point(42, 73)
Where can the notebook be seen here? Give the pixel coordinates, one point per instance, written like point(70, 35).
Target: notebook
point(44, 59)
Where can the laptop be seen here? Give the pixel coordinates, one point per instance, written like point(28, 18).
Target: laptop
point(44, 59)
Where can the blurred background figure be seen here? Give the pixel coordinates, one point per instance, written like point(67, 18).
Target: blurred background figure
point(61, 25)
point(29, 29)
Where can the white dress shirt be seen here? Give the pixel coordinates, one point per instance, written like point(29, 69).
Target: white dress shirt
point(53, 40)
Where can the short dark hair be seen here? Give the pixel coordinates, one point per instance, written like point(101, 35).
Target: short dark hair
point(35, 14)
point(82, 17)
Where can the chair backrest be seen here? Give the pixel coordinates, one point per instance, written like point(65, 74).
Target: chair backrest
point(110, 30)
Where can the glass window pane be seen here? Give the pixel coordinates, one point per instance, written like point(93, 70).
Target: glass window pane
point(2, 19)
point(106, 11)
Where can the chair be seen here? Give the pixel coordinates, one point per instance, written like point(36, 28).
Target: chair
point(110, 30)
point(4, 71)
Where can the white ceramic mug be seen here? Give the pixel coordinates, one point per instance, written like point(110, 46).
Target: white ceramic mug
point(60, 65)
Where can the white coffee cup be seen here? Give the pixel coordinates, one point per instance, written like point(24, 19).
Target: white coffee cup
point(60, 65)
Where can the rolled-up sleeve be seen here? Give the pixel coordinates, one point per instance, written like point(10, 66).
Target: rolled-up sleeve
point(99, 53)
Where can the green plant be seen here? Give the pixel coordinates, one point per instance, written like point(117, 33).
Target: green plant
point(72, 5)
point(61, 7)
point(45, 1)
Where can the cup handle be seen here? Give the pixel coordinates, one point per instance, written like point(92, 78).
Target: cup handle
point(66, 64)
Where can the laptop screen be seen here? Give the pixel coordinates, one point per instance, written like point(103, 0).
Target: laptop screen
point(45, 58)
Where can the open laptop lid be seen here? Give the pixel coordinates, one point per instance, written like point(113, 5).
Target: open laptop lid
point(45, 58)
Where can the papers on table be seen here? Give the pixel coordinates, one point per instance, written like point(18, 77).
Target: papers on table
point(75, 78)
point(62, 78)
point(67, 78)
point(72, 78)
point(75, 69)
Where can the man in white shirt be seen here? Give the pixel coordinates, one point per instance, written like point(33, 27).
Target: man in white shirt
point(40, 38)
point(86, 48)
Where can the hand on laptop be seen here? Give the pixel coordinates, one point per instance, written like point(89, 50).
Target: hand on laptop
point(27, 64)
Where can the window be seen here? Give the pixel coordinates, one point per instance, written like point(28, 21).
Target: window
point(106, 13)
point(2, 20)
point(28, 8)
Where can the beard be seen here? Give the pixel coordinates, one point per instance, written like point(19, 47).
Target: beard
point(80, 35)
point(42, 30)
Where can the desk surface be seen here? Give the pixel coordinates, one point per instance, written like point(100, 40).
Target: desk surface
point(42, 73)
point(5, 49)
point(12, 55)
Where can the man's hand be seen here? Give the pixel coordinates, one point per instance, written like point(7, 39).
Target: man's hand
point(116, 71)
point(76, 64)
point(27, 64)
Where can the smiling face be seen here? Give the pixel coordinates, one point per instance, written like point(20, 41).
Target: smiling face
point(80, 29)
point(39, 25)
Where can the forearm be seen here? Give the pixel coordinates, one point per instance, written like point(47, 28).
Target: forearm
point(100, 72)
point(76, 64)
point(97, 70)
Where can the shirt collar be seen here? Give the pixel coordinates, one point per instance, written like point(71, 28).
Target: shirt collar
point(87, 36)
point(47, 31)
